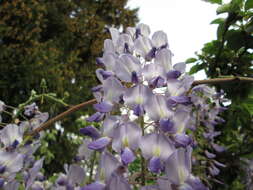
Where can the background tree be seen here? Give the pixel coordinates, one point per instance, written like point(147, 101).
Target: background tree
point(58, 41)
point(231, 54)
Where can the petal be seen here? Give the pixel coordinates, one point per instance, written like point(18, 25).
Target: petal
point(99, 143)
point(12, 161)
point(126, 135)
point(94, 186)
point(143, 29)
point(11, 133)
point(125, 44)
point(179, 87)
point(113, 90)
point(83, 151)
point(174, 100)
point(96, 117)
point(196, 183)
point(151, 187)
point(152, 71)
point(13, 185)
point(109, 46)
point(174, 74)
point(157, 82)
point(156, 107)
point(136, 95)
point(109, 60)
point(167, 125)
point(109, 124)
point(138, 110)
point(114, 34)
point(159, 39)
point(33, 172)
point(164, 184)
point(103, 107)
point(117, 182)
point(155, 165)
point(127, 156)
point(108, 164)
point(126, 65)
point(90, 131)
point(163, 58)
point(182, 140)
point(218, 148)
point(209, 155)
point(131, 31)
point(213, 170)
point(180, 67)
point(181, 119)
point(178, 166)
point(156, 145)
point(76, 174)
point(143, 46)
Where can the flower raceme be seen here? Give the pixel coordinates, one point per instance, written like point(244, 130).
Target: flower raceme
point(148, 112)
point(158, 109)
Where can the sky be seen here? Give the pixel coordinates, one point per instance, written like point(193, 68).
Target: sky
point(186, 22)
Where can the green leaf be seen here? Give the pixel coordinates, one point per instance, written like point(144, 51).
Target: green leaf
point(223, 8)
point(214, 1)
point(235, 39)
point(248, 4)
point(191, 60)
point(218, 21)
point(196, 68)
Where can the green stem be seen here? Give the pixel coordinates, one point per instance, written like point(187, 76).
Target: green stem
point(8, 113)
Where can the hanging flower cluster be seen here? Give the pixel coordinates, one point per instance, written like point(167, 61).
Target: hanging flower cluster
point(148, 110)
point(157, 109)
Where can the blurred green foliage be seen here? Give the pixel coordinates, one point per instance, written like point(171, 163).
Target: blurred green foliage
point(231, 55)
point(55, 42)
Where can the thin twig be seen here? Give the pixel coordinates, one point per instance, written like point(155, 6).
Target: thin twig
point(82, 105)
point(62, 115)
point(223, 80)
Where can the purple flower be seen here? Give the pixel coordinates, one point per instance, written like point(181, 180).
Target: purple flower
point(32, 173)
point(209, 155)
point(167, 125)
point(30, 110)
point(155, 165)
point(94, 186)
point(96, 117)
point(182, 140)
point(99, 144)
point(103, 107)
point(126, 66)
point(127, 156)
point(126, 138)
point(11, 135)
point(90, 131)
point(107, 165)
point(178, 166)
point(11, 161)
point(156, 107)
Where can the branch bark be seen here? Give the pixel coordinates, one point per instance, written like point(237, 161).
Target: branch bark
point(223, 80)
point(84, 104)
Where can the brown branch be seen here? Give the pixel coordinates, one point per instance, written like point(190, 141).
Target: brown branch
point(82, 105)
point(62, 115)
point(223, 80)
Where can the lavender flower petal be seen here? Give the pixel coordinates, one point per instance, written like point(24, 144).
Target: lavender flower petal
point(99, 143)
point(103, 107)
point(127, 156)
point(90, 131)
